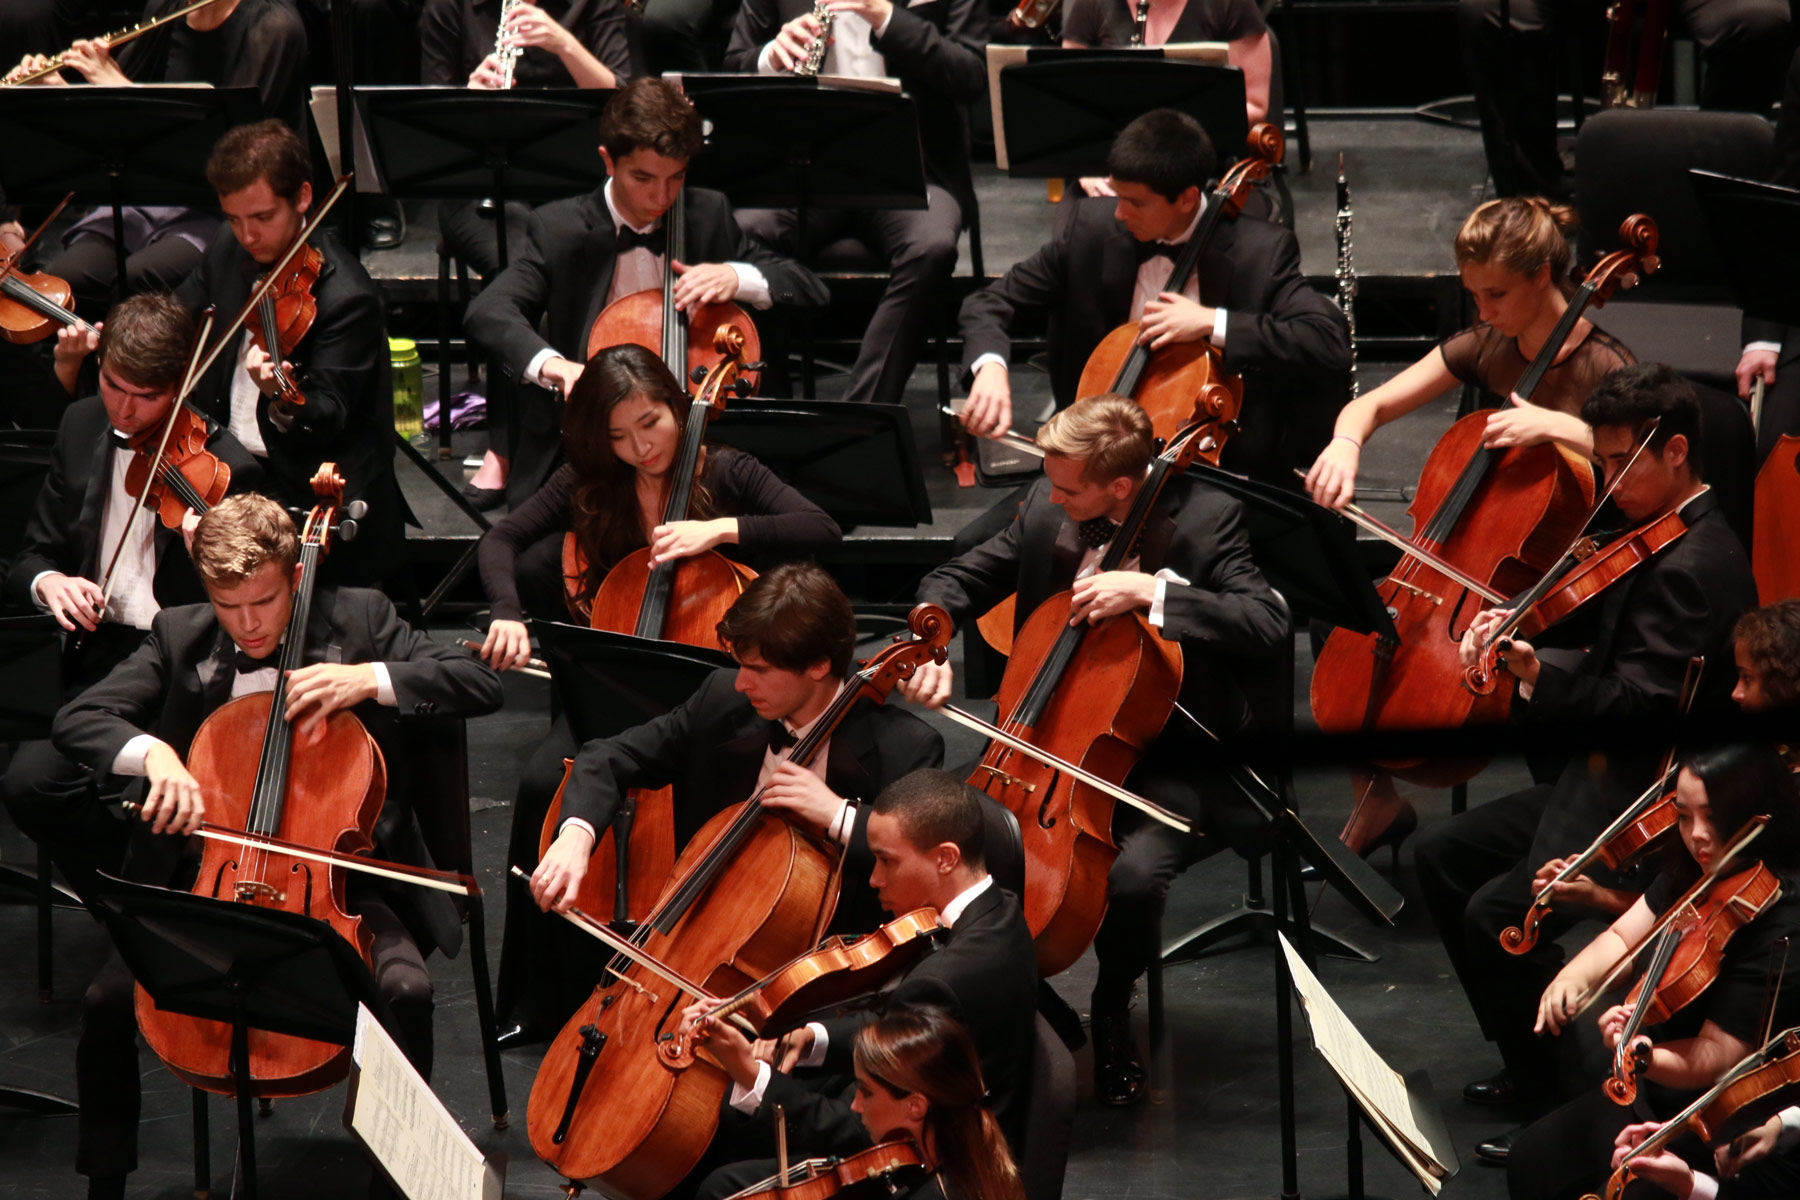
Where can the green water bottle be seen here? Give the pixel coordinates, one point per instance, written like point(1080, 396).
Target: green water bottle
point(409, 387)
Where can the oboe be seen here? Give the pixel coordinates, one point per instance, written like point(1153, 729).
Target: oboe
point(1140, 22)
point(506, 53)
point(1346, 270)
point(815, 53)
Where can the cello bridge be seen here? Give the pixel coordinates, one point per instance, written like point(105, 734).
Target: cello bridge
point(1417, 591)
point(1006, 780)
point(249, 891)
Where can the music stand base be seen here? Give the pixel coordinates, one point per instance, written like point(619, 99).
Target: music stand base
point(1259, 926)
point(38, 1104)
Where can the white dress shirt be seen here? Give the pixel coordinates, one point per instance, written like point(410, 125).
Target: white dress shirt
point(133, 598)
point(245, 396)
point(639, 270)
point(851, 52)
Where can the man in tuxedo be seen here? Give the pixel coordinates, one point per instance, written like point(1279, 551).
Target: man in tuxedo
point(793, 634)
point(1193, 581)
point(584, 253)
point(936, 49)
point(926, 834)
point(82, 525)
point(1476, 870)
point(1772, 349)
point(141, 720)
point(262, 174)
point(1108, 266)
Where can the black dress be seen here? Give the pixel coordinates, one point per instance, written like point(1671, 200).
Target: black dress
point(1483, 357)
point(1110, 22)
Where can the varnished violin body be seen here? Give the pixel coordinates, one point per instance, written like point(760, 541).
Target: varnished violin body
point(189, 476)
point(882, 1170)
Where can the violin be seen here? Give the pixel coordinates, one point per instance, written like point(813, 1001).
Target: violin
point(749, 893)
point(1644, 822)
point(682, 600)
point(1096, 696)
point(883, 1170)
point(1487, 524)
point(323, 791)
point(1687, 962)
point(1760, 1085)
point(1167, 381)
point(33, 306)
point(650, 319)
point(285, 312)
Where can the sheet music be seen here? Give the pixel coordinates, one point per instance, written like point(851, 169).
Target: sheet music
point(324, 108)
point(406, 1128)
point(1378, 1087)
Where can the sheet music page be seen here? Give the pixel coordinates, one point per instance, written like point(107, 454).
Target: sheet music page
point(324, 108)
point(1377, 1085)
point(407, 1129)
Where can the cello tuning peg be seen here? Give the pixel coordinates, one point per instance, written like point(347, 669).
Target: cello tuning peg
point(697, 375)
point(346, 530)
point(356, 510)
point(756, 366)
point(741, 387)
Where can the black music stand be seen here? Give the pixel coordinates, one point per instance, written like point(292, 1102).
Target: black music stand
point(1750, 213)
point(782, 141)
point(456, 143)
point(609, 682)
point(148, 144)
point(257, 968)
point(858, 462)
point(1060, 109)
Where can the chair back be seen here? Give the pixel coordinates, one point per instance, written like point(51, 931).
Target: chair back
point(1003, 846)
point(1049, 1116)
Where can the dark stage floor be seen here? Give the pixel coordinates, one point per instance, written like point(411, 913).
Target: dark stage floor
point(1214, 1134)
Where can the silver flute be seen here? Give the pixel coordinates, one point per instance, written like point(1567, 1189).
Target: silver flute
point(506, 54)
point(815, 53)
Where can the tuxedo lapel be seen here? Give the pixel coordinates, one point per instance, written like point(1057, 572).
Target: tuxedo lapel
point(1216, 271)
point(600, 241)
point(217, 671)
point(851, 761)
point(1159, 531)
point(1118, 275)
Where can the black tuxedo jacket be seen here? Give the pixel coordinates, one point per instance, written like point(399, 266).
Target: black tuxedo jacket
point(1225, 616)
point(984, 975)
point(549, 296)
point(710, 749)
point(341, 366)
point(62, 532)
point(184, 671)
point(1683, 602)
point(937, 50)
point(1290, 343)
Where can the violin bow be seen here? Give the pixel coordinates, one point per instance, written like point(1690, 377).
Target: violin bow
point(535, 667)
point(7, 264)
point(1751, 831)
point(181, 395)
point(1405, 545)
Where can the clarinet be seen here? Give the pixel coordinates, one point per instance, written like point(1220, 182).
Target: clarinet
point(507, 56)
point(815, 53)
point(1140, 22)
point(1346, 270)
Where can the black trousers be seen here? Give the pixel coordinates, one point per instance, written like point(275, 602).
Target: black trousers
point(107, 1078)
point(919, 246)
point(67, 810)
point(1513, 51)
point(92, 270)
point(1568, 1153)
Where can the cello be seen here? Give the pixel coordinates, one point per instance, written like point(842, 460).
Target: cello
point(1096, 696)
point(1168, 381)
point(1777, 516)
point(651, 319)
point(614, 1102)
point(681, 600)
point(322, 790)
point(1487, 524)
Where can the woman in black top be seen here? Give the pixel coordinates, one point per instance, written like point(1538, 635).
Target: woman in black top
point(1237, 23)
point(1514, 257)
point(621, 431)
point(1717, 793)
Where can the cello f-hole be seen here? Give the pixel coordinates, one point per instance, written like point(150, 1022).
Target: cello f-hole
point(1450, 629)
point(1044, 819)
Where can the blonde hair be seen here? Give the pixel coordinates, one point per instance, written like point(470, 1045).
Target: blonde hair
point(924, 1051)
point(1524, 234)
point(241, 533)
point(1110, 434)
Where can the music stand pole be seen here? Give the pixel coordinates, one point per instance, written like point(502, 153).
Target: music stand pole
point(484, 1014)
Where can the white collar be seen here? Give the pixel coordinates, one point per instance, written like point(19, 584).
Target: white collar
point(953, 910)
point(618, 221)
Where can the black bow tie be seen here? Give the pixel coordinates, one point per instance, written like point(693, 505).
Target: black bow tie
point(656, 241)
point(1149, 250)
point(1096, 532)
point(779, 737)
point(247, 665)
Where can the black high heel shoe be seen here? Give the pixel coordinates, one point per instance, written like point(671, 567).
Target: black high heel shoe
point(1405, 822)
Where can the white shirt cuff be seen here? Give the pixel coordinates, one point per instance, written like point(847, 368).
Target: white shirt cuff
point(984, 360)
point(1218, 333)
point(578, 823)
point(747, 1101)
point(820, 1043)
point(1789, 1136)
point(1156, 604)
point(753, 287)
point(882, 28)
point(384, 686)
point(765, 62)
point(131, 756)
point(1705, 1187)
point(534, 369)
point(1771, 347)
point(35, 598)
point(843, 824)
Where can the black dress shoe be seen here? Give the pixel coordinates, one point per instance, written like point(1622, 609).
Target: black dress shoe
point(519, 1035)
point(384, 232)
point(1496, 1150)
point(1118, 1069)
point(1497, 1091)
point(483, 499)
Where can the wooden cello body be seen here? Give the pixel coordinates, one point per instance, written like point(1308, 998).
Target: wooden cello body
point(619, 1100)
point(323, 790)
point(1776, 555)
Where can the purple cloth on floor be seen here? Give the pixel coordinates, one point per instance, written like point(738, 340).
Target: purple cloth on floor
point(468, 410)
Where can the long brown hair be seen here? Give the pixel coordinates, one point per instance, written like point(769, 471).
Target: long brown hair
point(604, 508)
point(924, 1051)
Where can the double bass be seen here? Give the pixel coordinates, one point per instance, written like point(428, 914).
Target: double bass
point(321, 790)
point(1096, 696)
point(615, 1100)
point(682, 600)
point(1487, 524)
